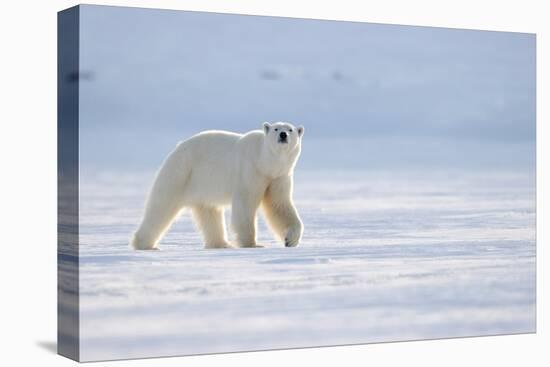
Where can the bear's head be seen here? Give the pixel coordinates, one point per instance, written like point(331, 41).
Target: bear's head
point(283, 137)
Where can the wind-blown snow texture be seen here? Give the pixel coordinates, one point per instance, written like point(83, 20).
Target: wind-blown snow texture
point(385, 257)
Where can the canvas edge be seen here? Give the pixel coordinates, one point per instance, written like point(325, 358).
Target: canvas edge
point(68, 320)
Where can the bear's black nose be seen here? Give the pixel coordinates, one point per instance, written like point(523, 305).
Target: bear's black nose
point(283, 135)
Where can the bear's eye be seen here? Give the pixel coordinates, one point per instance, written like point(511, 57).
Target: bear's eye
point(290, 130)
point(276, 129)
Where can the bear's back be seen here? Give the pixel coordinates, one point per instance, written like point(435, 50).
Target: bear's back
point(212, 141)
point(211, 157)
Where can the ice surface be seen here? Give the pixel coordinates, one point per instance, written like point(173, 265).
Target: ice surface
point(384, 257)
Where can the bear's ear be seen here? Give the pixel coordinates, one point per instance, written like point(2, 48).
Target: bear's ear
point(300, 130)
point(267, 126)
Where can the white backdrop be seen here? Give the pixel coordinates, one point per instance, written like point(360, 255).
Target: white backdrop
point(28, 181)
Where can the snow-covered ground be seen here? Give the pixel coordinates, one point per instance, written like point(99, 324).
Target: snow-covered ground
point(385, 257)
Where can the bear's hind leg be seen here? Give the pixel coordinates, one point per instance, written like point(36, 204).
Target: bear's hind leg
point(159, 215)
point(164, 202)
point(211, 223)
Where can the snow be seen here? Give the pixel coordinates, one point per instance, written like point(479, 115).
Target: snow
point(385, 257)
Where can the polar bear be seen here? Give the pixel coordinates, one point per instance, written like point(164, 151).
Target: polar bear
point(215, 169)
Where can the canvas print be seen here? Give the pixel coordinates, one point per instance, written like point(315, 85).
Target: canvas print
point(235, 183)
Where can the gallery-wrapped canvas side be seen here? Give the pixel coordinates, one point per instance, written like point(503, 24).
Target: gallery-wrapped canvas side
point(67, 171)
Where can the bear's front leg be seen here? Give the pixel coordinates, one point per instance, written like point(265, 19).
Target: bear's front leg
point(243, 218)
point(280, 212)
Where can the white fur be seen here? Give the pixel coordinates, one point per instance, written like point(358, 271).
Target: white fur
point(215, 169)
